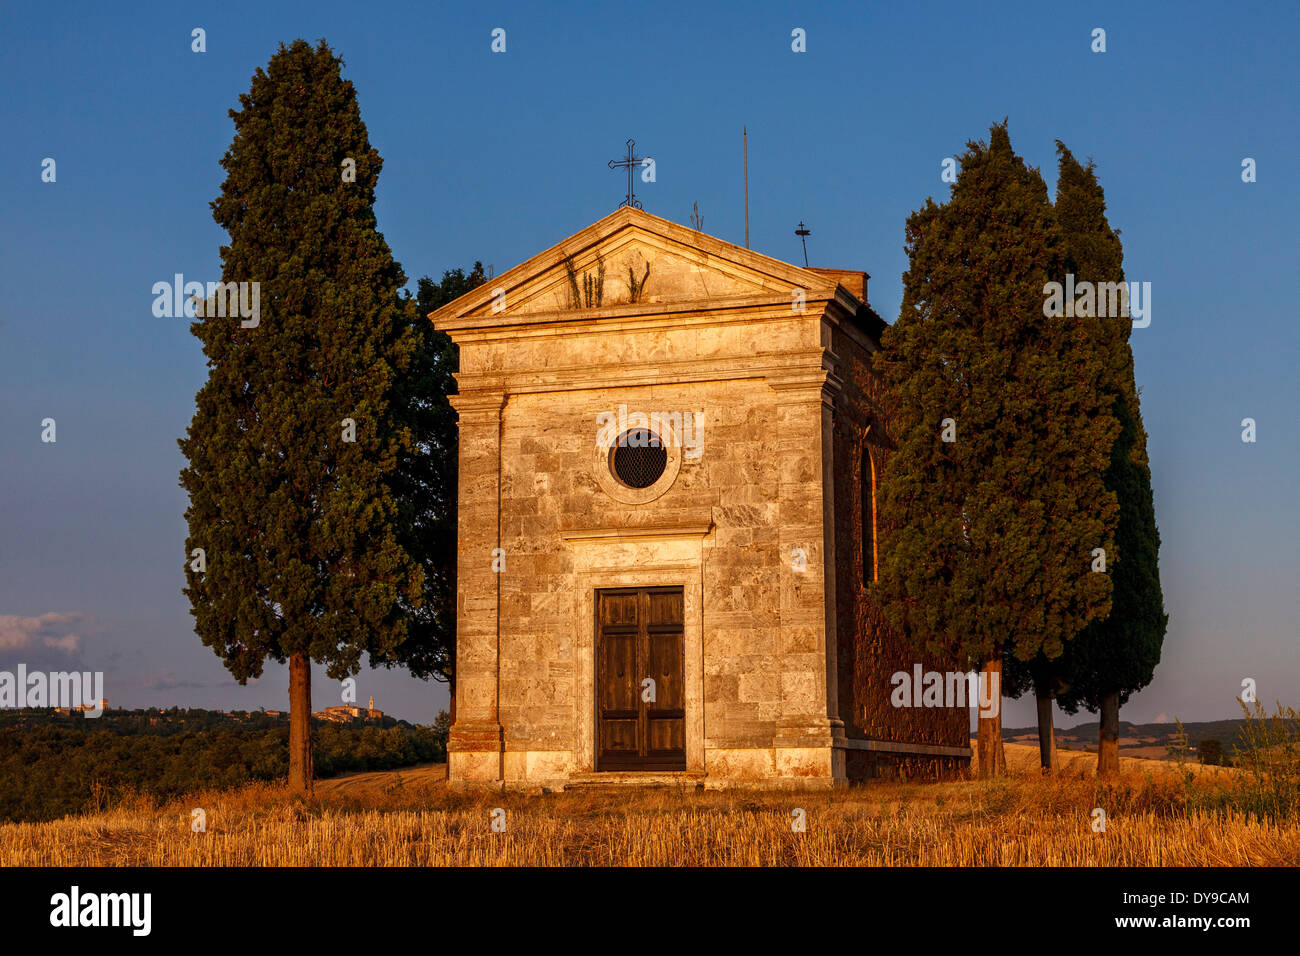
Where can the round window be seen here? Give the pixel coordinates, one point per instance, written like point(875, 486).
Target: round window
point(638, 458)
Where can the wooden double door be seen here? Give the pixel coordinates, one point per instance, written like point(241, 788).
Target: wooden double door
point(640, 679)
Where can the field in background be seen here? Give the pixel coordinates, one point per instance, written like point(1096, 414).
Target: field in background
point(1158, 741)
point(1156, 815)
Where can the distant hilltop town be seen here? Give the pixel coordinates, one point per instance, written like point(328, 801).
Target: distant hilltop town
point(80, 708)
point(154, 716)
point(190, 719)
point(346, 712)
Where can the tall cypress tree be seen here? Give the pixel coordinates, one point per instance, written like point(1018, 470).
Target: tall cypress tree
point(987, 537)
point(1116, 656)
point(299, 430)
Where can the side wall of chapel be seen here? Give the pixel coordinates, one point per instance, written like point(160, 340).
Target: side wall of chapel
point(869, 651)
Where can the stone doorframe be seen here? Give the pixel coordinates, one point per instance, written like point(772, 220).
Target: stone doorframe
point(646, 556)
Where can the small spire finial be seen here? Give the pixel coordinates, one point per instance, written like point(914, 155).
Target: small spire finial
point(803, 232)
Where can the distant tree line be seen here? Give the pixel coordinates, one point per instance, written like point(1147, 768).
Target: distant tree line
point(52, 765)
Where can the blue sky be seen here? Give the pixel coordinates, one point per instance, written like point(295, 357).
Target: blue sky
point(498, 156)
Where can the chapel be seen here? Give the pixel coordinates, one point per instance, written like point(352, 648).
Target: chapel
point(668, 459)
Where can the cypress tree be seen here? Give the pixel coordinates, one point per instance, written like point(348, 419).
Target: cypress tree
point(986, 540)
point(1046, 679)
point(294, 448)
point(1116, 656)
point(428, 480)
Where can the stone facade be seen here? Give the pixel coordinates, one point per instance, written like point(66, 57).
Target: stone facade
point(757, 376)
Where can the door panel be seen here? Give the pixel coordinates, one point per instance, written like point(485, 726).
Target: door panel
point(666, 657)
point(618, 608)
point(618, 668)
point(665, 607)
point(639, 635)
point(620, 738)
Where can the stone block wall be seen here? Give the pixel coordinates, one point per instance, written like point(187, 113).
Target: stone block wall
point(870, 652)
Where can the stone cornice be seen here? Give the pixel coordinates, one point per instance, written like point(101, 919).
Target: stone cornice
point(641, 316)
point(795, 385)
point(840, 312)
point(680, 522)
point(803, 368)
point(695, 529)
point(473, 403)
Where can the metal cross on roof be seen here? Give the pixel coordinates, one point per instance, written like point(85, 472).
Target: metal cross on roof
point(631, 162)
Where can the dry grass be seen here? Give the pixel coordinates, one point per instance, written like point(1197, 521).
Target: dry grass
point(410, 818)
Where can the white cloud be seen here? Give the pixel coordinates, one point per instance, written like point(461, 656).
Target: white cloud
point(51, 638)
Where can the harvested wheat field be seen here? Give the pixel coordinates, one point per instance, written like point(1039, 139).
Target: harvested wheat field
point(409, 818)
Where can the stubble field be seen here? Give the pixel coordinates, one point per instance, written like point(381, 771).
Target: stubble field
point(1155, 815)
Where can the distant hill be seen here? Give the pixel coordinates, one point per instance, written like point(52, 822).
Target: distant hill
point(1146, 740)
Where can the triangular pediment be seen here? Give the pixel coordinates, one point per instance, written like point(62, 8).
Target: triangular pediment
point(631, 261)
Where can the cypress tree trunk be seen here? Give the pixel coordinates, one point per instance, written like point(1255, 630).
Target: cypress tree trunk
point(1046, 731)
point(993, 760)
point(1108, 745)
point(300, 763)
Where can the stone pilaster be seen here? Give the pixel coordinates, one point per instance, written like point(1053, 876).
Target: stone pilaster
point(475, 748)
point(809, 734)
